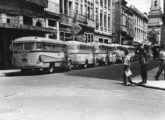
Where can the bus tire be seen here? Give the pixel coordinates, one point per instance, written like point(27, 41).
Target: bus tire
point(96, 64)
point(85, 65)
point(106, 62)
point(50, 69)
point(69, 66)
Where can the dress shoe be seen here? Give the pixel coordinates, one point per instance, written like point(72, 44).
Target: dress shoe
point(156, 78)
point(143, 82)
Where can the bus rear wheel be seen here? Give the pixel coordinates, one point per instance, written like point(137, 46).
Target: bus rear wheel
point(50, 69)
point(69, 65)
point(86, 65)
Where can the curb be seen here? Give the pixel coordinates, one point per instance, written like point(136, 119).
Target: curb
point(147, 86)
point(2, 75)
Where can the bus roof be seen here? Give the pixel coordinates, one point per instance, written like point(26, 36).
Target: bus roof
point(77, 43)
point(36, 39)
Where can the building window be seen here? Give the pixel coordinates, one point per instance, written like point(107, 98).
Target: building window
point(109, 3)
point(105, 3)
point(38, 24)
point(76, 6)
point(88, 13)
point(27, 20)
point(101, 2)
point(105, 21)
point(81, 10)
point(109, 23)
point(101, 19)
point(65, 7)
point(100, 40)
point(52, 23)
point(8, 20)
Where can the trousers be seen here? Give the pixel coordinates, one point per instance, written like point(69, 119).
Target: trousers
point(143, 70)
point(125, 78)
point(161, 69)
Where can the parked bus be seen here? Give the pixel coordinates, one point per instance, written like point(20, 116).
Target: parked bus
point(120, 52)
point(34, 53)
point(112, 54)
point(103, 53)
point(81, 54)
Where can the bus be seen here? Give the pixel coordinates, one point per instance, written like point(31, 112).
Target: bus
point(120, 52)
point(35, 53)
point(103, 53)
point(81, 54)
point(112, 53)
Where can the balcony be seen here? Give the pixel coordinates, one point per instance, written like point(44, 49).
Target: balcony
point(43, 3)
point(53, 7)
point(68, 19)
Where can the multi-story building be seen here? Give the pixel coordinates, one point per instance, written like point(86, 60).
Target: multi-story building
point(155, 21)
point(20, 18)
point(140, 25)
point(103, 18)
point(122, 23)
point(163, 27)
point(52, 18)
point(77, 20)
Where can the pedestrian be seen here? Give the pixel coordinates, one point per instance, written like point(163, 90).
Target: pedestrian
point(161, 63)
point(142, 51)
point(127, 72)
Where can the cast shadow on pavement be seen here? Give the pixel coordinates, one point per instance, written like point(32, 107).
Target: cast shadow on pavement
point(111, 72)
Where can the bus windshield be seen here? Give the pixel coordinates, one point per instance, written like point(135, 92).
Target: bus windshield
point(18, 46)
point(50, 47)
point(28, 46)
point(23, 46)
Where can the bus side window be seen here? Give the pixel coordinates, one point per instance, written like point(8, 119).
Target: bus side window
point(44, 46)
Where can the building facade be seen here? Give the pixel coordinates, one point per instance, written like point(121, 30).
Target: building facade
point(155, 22)
point(103, 18)
point(77, 20)
point(163, 26)
point(140, 25)
point(52, 18)
point(122, 23)
point(20, 18)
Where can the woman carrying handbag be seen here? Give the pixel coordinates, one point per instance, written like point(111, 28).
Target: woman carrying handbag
point(127, 71)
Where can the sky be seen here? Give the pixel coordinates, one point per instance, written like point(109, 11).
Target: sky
point(142, 5)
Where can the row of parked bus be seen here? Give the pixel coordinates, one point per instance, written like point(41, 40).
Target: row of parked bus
point(34, 53)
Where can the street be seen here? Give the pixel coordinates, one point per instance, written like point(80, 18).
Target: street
point(83, 94)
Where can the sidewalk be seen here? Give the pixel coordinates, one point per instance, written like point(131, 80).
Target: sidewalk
point(151, 82)
point(4, 72)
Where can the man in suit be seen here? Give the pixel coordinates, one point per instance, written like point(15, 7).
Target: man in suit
point(142, 51)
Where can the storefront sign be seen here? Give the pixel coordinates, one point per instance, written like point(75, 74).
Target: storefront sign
point(76, 28)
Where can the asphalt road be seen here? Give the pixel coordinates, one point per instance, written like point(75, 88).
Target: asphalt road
point(88, 94)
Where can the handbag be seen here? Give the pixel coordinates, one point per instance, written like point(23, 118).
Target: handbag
point(128, 72)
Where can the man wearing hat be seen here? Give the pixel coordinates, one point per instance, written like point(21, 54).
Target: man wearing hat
point(161, 63)
point(142, 51)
